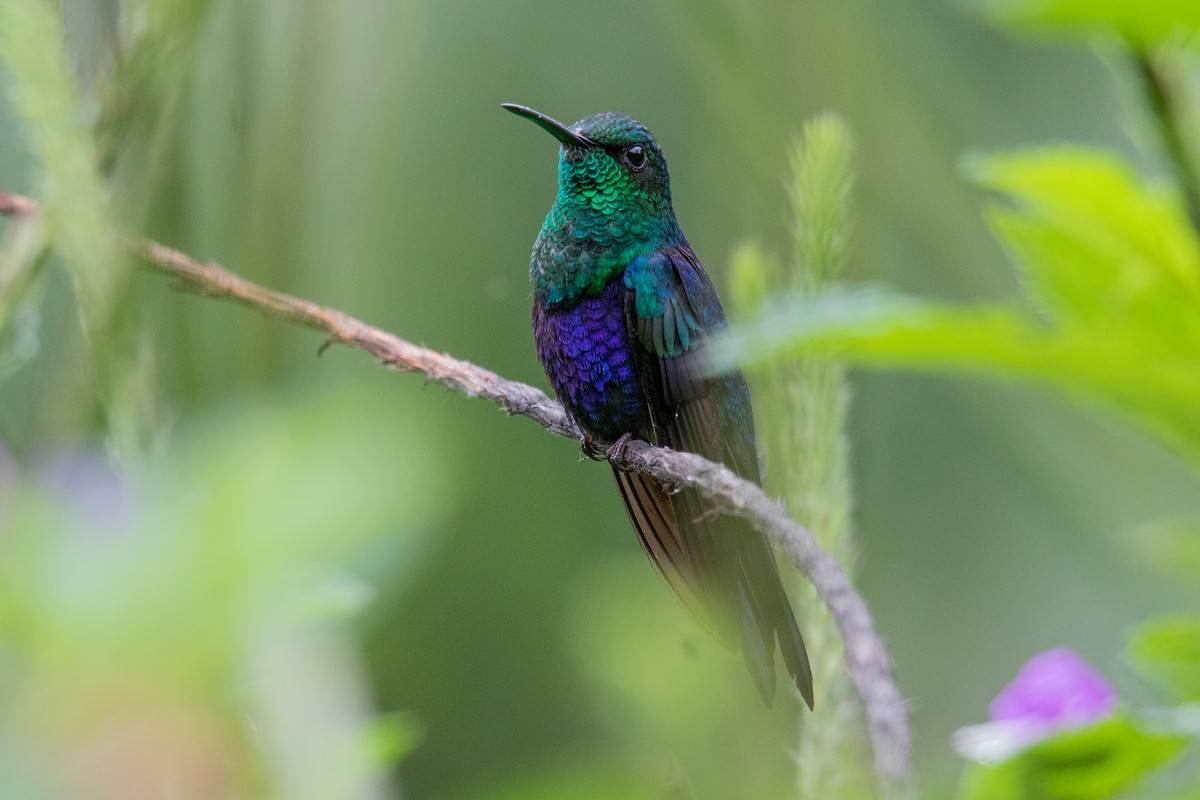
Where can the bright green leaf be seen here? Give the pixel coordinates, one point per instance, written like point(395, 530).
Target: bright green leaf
point(1092, 763)
point(1141, 23)
point(879, 329)
point(1099, 247)
point(389, 738)
point(1109, 260)
point(1167, 650)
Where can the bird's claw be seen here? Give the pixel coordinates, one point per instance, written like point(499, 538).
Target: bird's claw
point(587, 445)
point(617, 449)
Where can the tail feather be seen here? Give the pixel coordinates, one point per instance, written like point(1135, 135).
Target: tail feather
point(757, 645)
point(791, 646)
point(723, 573)
point(652, 513)
point(766, 614)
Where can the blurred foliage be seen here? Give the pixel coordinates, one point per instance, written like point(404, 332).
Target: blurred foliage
point(352, 152)
point(77, 216)
point(1172, 545)
point(1091, 763)
point(189, 633)
point(1110, 267)
point(1139, 24)
point(74, 200)
point(1166, 650)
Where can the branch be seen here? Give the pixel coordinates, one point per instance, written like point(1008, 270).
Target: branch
point(867, 660)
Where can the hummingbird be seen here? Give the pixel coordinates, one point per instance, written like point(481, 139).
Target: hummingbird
point(621, 310)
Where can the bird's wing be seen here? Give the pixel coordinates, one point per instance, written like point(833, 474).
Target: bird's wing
point(671, 307)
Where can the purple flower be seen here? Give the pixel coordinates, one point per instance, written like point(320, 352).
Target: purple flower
point(1054, 691)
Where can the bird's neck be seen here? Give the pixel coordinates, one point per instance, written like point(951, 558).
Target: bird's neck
point(584, 246)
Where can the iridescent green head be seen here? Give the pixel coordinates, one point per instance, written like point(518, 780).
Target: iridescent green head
point(613, 204)
point(609, 162)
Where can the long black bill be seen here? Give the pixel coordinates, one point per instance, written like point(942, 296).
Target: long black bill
point(556, 128)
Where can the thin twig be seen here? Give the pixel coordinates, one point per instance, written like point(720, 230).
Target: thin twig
point(867, 660)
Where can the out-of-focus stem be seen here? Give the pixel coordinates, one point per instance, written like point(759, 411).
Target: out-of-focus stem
point(1164, 105)
point(815, 479)
point(802, 409)
point(77, 223)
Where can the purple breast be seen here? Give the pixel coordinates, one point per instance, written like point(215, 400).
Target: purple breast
point(586, 354)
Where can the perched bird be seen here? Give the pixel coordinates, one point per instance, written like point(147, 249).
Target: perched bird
point(621, 306)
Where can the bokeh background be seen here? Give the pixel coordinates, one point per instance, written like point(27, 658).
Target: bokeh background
point(353, 152)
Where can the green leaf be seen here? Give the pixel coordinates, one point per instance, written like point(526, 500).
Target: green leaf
point(876, 328)
point(1167, 651)
point(1110, 264)
point(389, 738)
point(1142, 24)
point(1091, 763)
point(1098, 246)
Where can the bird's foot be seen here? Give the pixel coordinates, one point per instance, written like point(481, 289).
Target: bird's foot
point(587, 445)
point(617, 449)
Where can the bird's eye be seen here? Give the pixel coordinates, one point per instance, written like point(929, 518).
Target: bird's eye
point(636, 157)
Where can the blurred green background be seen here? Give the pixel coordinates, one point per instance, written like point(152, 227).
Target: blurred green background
point(354, 153)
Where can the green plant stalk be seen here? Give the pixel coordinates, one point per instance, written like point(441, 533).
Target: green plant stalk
point(803, 405)
point(22, 258)
point(76, 211)
point(73, 198)
point(817, 477)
